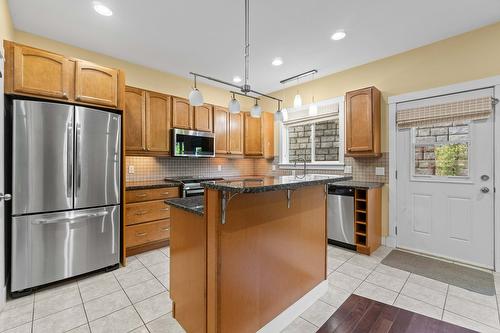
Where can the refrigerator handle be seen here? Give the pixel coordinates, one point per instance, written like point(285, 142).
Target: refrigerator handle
point(70, 219)
point(69, 160)
point(78, 160)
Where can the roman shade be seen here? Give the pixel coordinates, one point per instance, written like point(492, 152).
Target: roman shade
point(469, 109)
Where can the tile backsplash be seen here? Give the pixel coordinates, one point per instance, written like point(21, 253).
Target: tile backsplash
point(150, 168)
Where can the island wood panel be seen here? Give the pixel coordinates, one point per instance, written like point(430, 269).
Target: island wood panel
point(188, 269)
point(236, 133)
point(266, 256)
point(157, 122)
point(135, 114)
point(221, 127)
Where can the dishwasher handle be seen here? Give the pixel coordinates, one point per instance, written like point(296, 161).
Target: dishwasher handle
point(341, 190)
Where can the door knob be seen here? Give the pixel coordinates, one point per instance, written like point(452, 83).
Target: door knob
point(5, 197)
point(485, 177)
point(485, 189)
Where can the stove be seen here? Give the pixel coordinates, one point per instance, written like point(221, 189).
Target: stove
point(191, 185)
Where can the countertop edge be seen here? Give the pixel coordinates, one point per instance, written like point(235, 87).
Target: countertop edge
point(178, 203)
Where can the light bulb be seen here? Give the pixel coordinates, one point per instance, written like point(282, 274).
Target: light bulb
point(255, 111)
point(102, 9)
point(297, 101)
point(195, 97)
point(234, 106)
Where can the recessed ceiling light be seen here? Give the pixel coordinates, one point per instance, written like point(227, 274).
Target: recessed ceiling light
point(237, 79)
point(277, 61)
point(338, 35)
point(102, 9)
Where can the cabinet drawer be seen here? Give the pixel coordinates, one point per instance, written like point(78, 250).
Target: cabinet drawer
point(147, 211)
point(147, 232)
point(151, 194)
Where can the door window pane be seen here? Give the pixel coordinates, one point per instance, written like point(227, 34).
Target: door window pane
point(326, 141)
point(299, 143)
point(442, 150)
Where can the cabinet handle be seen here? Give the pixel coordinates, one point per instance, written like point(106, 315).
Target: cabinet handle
point(142, 212)
point(165, 229)
point(141, 234)
point(164, 209)
point(141, 195)
point(165, 193)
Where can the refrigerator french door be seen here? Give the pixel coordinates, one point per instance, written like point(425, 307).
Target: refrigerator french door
point(65, 191)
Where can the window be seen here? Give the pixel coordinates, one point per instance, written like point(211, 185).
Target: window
point(441, 150)
point(316, 139)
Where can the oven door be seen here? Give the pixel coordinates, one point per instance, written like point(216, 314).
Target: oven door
point(193, 192)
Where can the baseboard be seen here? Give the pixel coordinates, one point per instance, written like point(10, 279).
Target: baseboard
point(3, 297)
point(296, 309)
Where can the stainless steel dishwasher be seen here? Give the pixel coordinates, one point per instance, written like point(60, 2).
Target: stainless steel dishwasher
point(341, 216)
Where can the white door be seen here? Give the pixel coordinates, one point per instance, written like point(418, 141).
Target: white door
point(445, 187)
point(2, 188)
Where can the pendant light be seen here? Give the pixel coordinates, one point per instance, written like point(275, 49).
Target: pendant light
point(313, 108)
point(234, 105)
point(195, 96)
point(280, 115)
point(256, 110)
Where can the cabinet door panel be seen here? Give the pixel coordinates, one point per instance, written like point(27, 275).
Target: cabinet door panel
point(135, 119)
point(359, 130)
point(253, 135)
point(181, 113)
point(268, 134)
point(221, 130)
point(157, 122)
point(203, 118)
point(236, 133)
point(96, 84)
point(41, 73)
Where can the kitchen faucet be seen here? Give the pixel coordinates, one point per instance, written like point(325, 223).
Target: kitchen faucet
point(305, 165)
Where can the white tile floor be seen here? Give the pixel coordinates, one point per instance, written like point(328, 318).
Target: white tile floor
point(136, 298)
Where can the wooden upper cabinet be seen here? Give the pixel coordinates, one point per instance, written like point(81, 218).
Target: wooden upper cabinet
point(42, 73)
point(135, 119)
point(182, 114)
point(96, 84)
point(157, 122)
point(268, 134)
point(235, 133)
point(221, 130)
point(203, 118)
point(253, 136)
point(362, 123)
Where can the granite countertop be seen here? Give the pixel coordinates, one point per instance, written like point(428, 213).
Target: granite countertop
point(358, 184)
point(191, 204)
point(146, 184)
point(271, 183)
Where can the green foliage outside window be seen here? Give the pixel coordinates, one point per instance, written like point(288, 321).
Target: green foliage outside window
point(452, 160)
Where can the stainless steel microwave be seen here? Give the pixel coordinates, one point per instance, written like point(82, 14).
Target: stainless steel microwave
point(187, 143)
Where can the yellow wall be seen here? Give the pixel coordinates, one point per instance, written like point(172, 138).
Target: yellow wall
point(6, 27)
point(469, 56)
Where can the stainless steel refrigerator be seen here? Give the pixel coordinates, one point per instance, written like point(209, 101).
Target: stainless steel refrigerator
point(65, 192)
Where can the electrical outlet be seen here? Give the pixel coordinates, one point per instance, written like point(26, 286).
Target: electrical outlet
point(273, 167)
point(348, 169)
point(219, 168)
point(379, 171)
point(131, 169)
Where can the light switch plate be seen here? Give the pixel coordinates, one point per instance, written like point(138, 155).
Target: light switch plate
point(273, 167)
point(219, 168)
point(131, 169)
point(348, 169)
point(379, 171)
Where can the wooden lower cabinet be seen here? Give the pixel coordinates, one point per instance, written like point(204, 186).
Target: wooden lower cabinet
point(147, 218)
point(367, 219)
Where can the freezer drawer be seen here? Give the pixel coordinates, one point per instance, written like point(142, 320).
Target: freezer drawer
point(55, 246)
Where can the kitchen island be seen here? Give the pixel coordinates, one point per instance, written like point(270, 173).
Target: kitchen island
point(253, 257)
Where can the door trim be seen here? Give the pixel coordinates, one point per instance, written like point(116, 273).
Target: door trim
point(490, 82)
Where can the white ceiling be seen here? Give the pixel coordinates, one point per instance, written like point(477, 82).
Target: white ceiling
point(207, 36)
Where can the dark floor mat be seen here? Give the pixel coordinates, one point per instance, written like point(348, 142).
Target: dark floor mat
point(464, 277)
